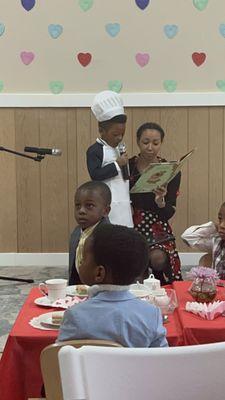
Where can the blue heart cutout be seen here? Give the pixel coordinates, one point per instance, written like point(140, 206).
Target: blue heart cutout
point(222, 29)
point(55, 30)
point(142, 4)
point(2, 29)
point(170, 31)
point(112, 29)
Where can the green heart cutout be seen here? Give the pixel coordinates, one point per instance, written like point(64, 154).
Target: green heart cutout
point(1, 86)
point(200, 4)
point(56, 87)
point(85, 5)
point(115, 86)
point(221, 85)
point(170, 85)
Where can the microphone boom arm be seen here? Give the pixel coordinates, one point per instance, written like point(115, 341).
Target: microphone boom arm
point(39, 157)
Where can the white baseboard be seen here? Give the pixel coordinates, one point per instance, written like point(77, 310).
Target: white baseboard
point(62, 259)
point(34, 259)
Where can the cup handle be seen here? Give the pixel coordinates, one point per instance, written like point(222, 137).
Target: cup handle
point(43, 289)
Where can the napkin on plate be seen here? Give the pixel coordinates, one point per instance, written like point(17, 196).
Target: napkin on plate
point(68, 301)
point(208, 311)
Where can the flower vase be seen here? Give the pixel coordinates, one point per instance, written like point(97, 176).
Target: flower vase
point(203, 289)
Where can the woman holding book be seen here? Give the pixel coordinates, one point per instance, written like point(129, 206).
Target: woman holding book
point(152, 210)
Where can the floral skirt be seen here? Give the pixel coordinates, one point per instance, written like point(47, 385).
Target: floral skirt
point(159, 235)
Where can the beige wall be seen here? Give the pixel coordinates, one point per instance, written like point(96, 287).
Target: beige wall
point(36, 213)
point(168, 33)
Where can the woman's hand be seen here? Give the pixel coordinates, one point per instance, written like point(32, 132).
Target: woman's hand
point(160, 193)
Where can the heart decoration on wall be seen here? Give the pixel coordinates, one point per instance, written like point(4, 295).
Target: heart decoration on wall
point(200, 4)
point(55, 30)
point(142, 4)
point(198, 58)
point(85, 5)
point(170, 85)
point(221, 85)
point(170, 31)
point(112, 29)
point(2, 29)
point(142, 59)
point(222, 29)
point(27, 57)
point(28, 4)
point(84, 58)
point(56, 87)
point(115, 86)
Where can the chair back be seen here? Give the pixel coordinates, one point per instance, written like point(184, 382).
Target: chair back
point(188, 372)
point(50, 365)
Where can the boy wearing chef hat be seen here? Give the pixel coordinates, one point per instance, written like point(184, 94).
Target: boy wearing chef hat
point(105, 160)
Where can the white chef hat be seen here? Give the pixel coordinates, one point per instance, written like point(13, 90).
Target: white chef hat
point(106, 105)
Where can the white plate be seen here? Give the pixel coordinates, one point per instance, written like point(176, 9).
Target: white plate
point(71, 291)
point(44, 321)
point(139, 292)
point(43, 301)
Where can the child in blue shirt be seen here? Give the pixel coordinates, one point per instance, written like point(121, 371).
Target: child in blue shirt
point(113, 257)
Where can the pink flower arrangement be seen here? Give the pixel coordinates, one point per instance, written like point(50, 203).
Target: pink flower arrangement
point(203, 273)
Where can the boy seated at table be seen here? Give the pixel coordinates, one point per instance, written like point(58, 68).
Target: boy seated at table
point(113, 257)
point(91, 207)
point(210, 238)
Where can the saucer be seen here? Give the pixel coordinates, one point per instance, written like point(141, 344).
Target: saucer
point(72, 291)
point(43, 301)
point(44, 321)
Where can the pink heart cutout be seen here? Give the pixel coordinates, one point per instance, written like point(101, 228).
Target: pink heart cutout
point(142, 59)
point(27, 57)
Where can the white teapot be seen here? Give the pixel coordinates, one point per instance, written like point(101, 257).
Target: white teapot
point(151, 283)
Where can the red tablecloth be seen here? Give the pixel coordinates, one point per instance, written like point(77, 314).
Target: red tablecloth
point(20, 375)
point(197, 330)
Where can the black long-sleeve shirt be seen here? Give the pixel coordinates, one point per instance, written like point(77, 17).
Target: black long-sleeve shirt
point(94, 164)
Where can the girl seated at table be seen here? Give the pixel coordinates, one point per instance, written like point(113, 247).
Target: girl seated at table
point(113, 257)
point(210, 238)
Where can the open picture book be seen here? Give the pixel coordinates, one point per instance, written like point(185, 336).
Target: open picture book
point(159, 174)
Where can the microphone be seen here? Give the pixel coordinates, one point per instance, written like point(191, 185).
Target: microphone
point(124, 168)
point(42, 151)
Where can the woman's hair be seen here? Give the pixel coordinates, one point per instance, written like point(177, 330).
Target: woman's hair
point(97, 186)
point(118, 119)
point(150, 125)
point(121, 250)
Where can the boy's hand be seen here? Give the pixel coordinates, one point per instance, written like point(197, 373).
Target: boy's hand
point(122, 160)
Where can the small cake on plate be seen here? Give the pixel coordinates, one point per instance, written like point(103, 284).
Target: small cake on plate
point(57, 317)
point(82, 290)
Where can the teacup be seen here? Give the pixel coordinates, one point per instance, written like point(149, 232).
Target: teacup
point(54, 289)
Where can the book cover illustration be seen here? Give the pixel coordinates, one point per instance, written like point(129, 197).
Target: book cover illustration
point(159, 174)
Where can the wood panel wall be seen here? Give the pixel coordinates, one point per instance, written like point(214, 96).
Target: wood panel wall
point(36, 212)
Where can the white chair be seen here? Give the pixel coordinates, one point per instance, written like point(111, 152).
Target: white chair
point(175, 373)
point(50, 365)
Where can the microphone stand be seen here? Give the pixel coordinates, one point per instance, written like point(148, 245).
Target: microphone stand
point(39, 157)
